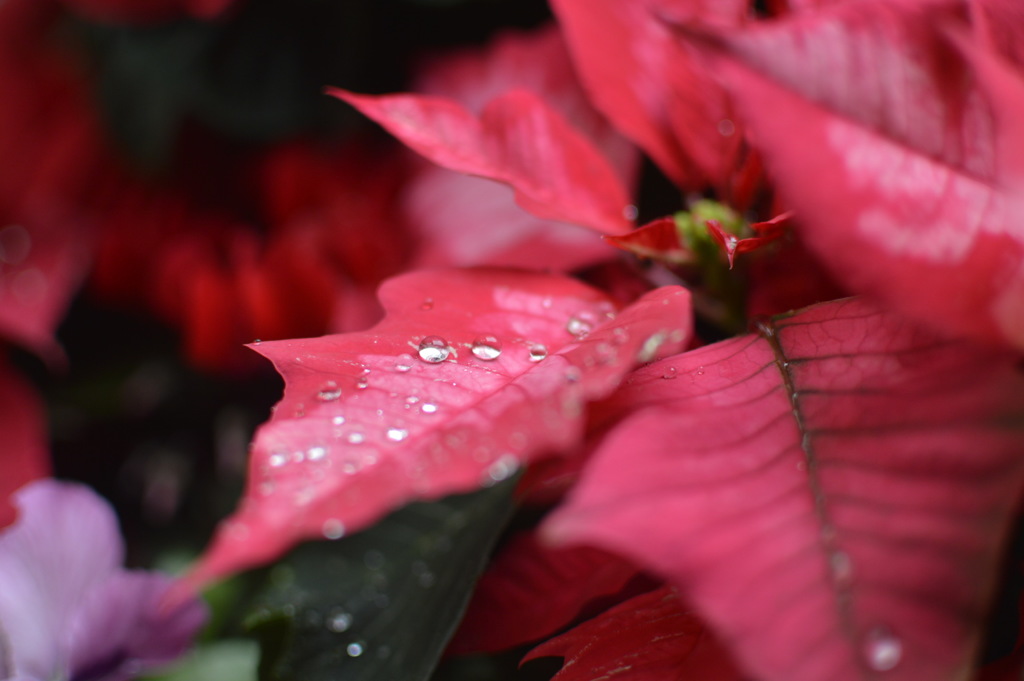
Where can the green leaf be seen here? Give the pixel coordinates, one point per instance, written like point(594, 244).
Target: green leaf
point(383, 603)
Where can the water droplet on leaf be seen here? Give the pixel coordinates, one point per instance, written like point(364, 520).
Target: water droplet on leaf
point(434, 349)
point(486, 348)
point(882, 649)
point(339, 621)
point(354, 649)
point(329, 392)
point(651, 346)
point(841, 566)
point(356, 438)
point(502, 469)
point(404, 364)
point(397, 434)
point(579, 326)
point(670, 373)
point(428, 408)
point(333, 528)
point(538, 352)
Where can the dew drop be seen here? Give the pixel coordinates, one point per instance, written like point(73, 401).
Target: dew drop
point(434, 349)
point(882, 649)
point(355, 438)
point(630, 212)
point(339, 621)
point(486, 348)
point(538, 352)
point(316, 453)
point(397, 434)
point(573, 375)
point(333, 528)
point(700, 371)
point(329, 392)
point(404, 364)
point(726, 128)
point(427, 304)
point(841, 566)
point(650, 347)
point(503, 468)
point(354, 649)
point(362, 383)
point(428, 408)
point(670, 373)
point(579, 326)
point(278, 459)
point(338, 420)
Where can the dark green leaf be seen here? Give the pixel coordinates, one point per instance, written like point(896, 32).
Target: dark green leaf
point(383, 603)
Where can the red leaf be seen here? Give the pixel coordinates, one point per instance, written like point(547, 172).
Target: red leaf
point(650, 88)
point(648, 638)
point(769, 231)
point(832, 497)
point(557, 173)
point(416, 408)
point(902, 160)
point(25, 455)
point(530, 591)
point(658, 240)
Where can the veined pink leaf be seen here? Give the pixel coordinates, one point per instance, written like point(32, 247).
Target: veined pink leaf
point(638, 75)
point(557, 173)
point(531, 591)
point(832, 495)
point(650, 637)
point(470, 374)
point(903, 161)
point(25, 456)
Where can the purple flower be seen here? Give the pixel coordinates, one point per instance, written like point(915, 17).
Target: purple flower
point(68, 610)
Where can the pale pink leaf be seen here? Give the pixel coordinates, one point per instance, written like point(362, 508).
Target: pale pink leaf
point(902, 158)
point(831, 495)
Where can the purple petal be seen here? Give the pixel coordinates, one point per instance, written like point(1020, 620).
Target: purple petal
point(122, 630)
point(65, 543)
